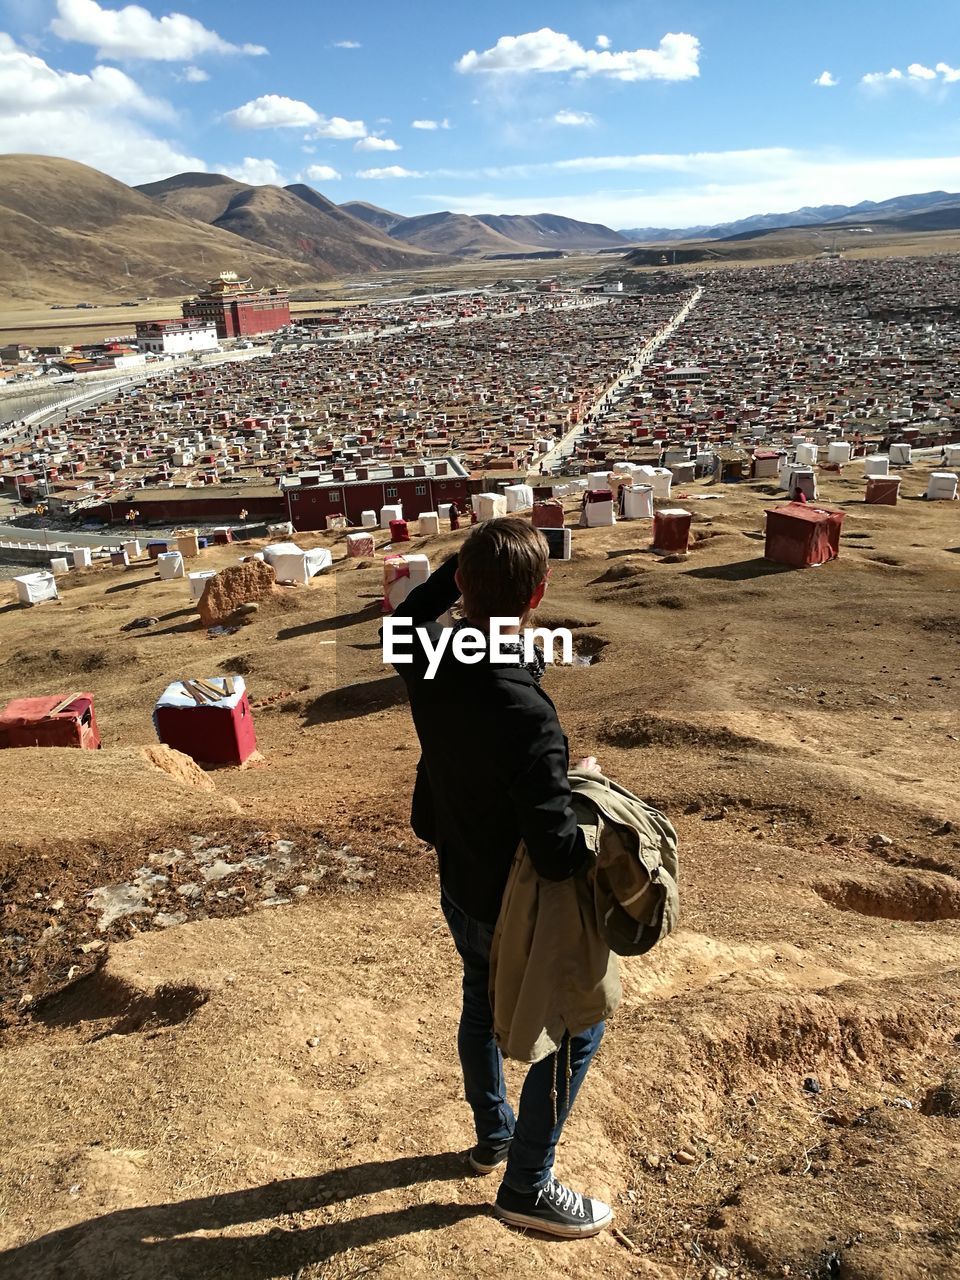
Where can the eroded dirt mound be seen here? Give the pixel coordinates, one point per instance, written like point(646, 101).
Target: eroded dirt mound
point(176, 765)
point(246, 583)
point(659, 731)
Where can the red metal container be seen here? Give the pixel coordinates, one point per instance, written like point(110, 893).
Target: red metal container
point(57, 721)
point(882, 490)
point(801, 535)
point(548, 514)
point(211, 734)
point(671, 531)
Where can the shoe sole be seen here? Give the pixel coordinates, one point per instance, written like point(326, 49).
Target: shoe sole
point(477, 1167)
point(530, 1223)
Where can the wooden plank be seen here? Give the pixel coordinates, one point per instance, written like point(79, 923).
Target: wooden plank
point(215, 692)
point(61, 706)
point(230, 686)
point(199, 697)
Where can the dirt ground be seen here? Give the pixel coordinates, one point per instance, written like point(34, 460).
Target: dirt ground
point(268, 1088)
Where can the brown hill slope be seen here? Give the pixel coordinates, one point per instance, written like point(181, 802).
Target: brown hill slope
point(372, 214)
point(454, 233)
point(294, 221)
point(552, 231)
point(67, 230)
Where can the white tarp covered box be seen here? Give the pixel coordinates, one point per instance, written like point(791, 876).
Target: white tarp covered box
point(360, 546)
point(659, 477)
point(901, 455)
point(637, 502)
point(394, 512)
point(598, 480)
point(170, 564)
point(32, 588)
point(952, 452)
point(429, 523)
point(132, 548)
point(598, 509)
point(519, 497)
point(198, 582)
point(400, 575)
point(292, 564)
point(838, 451)
point(368, 519)
point(82, 558)
point(59, 564)
point(684, 472)
point(942, 486)
point(806, 454)
point(878, 464)
point(490, 506)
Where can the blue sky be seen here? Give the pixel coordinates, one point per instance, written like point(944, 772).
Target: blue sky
point(633, 114)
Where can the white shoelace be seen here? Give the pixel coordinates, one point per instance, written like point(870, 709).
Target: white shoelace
point(565, 1198)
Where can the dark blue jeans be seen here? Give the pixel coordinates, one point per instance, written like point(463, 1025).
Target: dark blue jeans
point(536, 1128)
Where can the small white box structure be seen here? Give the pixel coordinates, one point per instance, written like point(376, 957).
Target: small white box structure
point(806, 454)
point(336, 522)
point(598, 480)
point(390, 513)
point(838, 451)
point(170, 565)
point(519, 497)
point(803, 480)
point(901, 455)
point(952, 452)
point(942, 486)
point(292, 564)
point(368, 519)
point(638, 502)
point(360, 546)
point(684, 472)
point(400, 575)
point(59, 564)
point(132, 548)
point(598, 512)
point(490, 506)
point(443, 511)
point(33, 588)
point(282, 530)
point(198, 582)
point(82, 557)
point(659, 477)
point(429, 523)
point(878, 464)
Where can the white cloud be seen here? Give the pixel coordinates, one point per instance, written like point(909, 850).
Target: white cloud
point(337, 128)
point(27, 83)
point(391, 171)
point(574, 118)
point(257, 173)
point(90, 118)
point(712, 187)
point(194, 75)
point(133, 32)
point(373, 143)
point(347, 44)
point(603, 42)
point(826, 80)
point(272, 111)
point(320, 173)
point(431, 124)
point(917, 75)
point(676, 57)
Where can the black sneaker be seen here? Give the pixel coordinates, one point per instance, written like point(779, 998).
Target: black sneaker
point(555, 1209)
point(485, 1156)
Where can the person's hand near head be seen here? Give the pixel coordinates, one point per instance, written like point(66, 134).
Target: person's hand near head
point(589, 764)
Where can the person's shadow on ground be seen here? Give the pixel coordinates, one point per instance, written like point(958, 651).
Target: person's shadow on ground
point(154, 1242)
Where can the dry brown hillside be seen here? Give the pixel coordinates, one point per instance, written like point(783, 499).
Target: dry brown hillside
point(253, 1074)
point(295, 221)
point(68, 232)
point(453, 233)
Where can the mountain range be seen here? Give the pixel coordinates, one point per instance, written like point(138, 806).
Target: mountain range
point(68, 232)
point(932, 211)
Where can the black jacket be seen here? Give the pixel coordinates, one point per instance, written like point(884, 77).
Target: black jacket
point(493, 768)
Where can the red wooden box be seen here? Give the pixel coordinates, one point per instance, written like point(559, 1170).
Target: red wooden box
point(882, 491)
point(213, 733)
point(801, 535)
point(548, 514)
point(47, 722)
point(671, 531)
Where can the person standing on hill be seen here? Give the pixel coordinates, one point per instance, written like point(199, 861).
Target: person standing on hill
point(507, 783)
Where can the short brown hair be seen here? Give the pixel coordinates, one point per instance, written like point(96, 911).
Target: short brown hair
point(502, 562)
